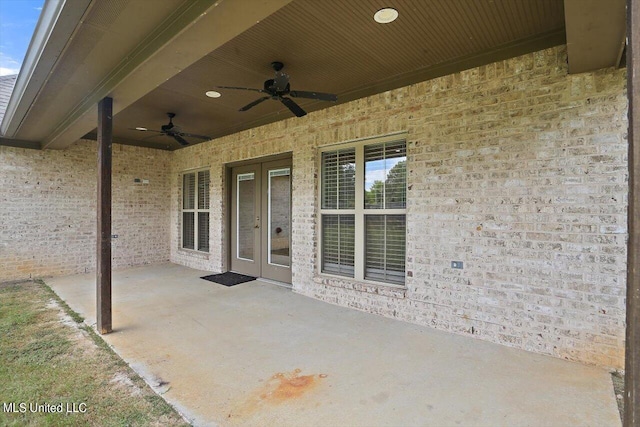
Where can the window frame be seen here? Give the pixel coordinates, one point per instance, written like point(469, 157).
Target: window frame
point(196, 210)
point(359, 211)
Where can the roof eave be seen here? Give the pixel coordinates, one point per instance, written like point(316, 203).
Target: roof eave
point(56, 25)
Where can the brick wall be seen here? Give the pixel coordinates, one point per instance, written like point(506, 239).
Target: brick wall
point(48, 209)
point(515, 168)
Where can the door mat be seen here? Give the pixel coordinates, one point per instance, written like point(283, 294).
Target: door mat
point(229, 278)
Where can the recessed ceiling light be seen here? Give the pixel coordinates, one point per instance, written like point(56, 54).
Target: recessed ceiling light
point(141, 129)
point(385, 15)
point(213, 94)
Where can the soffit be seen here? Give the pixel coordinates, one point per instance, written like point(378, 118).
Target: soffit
point(122, 49)
point(335, 46)
point(108, 32)
point(596, 34)
point(154, 60)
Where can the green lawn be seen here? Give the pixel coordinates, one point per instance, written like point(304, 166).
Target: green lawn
point(49, 360)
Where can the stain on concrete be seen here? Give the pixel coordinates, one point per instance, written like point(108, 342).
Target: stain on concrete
point(286, 386)
point(281, 388)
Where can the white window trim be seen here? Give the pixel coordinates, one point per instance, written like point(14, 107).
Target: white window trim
point(195, 211)
point(359, 211)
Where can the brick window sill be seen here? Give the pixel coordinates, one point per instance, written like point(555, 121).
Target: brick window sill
point(193, 253)
point(377, 288)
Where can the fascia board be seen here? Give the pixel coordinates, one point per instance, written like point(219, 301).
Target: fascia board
point(56, 25)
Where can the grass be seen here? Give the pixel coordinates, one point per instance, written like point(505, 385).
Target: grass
point(618, 389)
point(48, 356)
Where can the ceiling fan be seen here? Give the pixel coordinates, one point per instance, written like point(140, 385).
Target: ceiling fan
point(277, 89)
point(173, 131)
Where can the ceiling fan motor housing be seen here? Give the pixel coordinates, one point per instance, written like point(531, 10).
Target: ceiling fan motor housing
point(278, 88)
point(169, 125)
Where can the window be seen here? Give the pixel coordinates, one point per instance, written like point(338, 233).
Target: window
point(195, 210)
point(338, 204)
point(363, 210)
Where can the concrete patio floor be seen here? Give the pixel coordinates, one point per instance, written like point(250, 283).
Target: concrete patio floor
point(257, 354)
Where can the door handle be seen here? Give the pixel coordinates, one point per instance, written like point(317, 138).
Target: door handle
point(257, 222)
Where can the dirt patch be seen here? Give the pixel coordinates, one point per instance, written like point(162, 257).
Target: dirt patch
point(77, 335)
point(122, 380)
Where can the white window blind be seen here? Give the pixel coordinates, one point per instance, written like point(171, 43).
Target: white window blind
point(195, 210)
point(338, 243)
point(203, 190)
point(188, 231)
point(188, 194)
point(203, 231)
point(338, 179)
point(385, 245)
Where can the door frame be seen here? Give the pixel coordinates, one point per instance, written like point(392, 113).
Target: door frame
point(228, 192)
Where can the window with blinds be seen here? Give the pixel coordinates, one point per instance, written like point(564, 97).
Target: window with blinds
point(195, 210)
point(363, 210)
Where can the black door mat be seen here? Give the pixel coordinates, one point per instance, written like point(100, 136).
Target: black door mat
point(229, 278)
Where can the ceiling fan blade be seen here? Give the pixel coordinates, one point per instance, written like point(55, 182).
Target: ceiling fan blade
point(313, 95)
point(254, 103)
point(178, 138)
point(295, 108)
point(239, 88)
point(193, 135)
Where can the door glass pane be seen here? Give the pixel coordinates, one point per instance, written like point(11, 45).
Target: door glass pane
point(246, 216)
point(279, 217)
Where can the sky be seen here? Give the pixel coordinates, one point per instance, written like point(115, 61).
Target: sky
point(378, 170)
point(18, 19)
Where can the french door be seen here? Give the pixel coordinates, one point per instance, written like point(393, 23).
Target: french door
point(261, 220)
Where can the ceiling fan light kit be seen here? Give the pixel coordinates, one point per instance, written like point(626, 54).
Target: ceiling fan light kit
point(279, 89)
